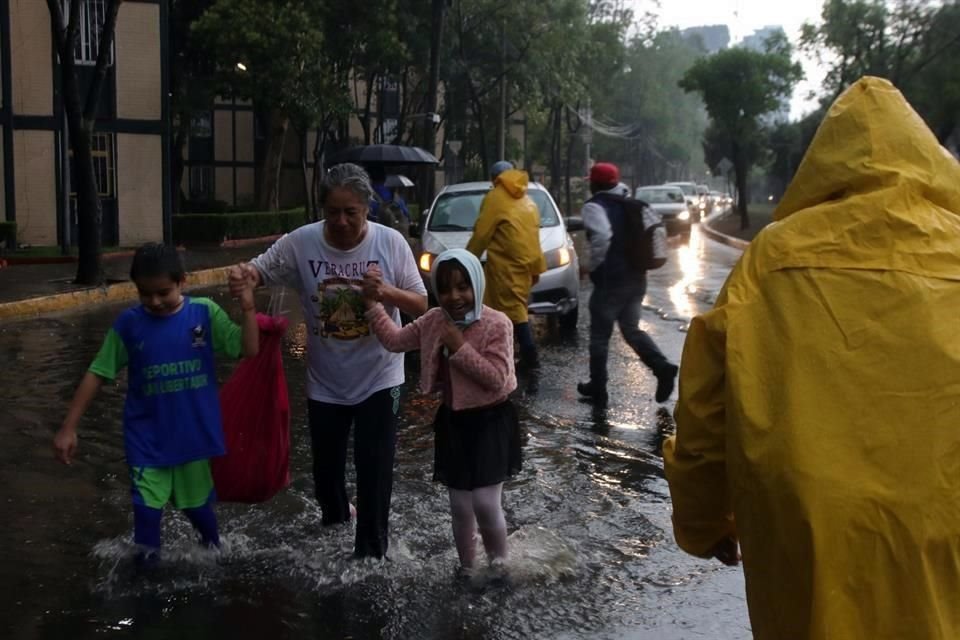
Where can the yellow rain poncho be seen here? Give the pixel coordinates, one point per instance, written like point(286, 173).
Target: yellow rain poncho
point(819, 410)
point(508, 229)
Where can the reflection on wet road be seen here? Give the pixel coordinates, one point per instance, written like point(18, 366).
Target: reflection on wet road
point(592, 551)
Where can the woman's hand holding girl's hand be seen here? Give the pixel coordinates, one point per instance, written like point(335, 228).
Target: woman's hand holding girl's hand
point(452, 338)
point(373, 286)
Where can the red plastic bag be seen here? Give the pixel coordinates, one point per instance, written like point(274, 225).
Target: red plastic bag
point(256, 423)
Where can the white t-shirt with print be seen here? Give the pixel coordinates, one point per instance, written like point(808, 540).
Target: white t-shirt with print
point(346, 363)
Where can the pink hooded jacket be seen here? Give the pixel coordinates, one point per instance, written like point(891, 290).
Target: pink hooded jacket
point(481, 371)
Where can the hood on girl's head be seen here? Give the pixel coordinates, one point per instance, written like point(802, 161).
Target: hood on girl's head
point(474, 270)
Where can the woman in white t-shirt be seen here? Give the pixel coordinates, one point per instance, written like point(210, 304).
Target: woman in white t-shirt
point(351, 378)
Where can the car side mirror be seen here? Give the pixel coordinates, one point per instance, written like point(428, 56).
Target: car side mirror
point(574, 223)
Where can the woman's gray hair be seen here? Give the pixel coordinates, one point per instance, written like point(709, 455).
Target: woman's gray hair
point(346, 176)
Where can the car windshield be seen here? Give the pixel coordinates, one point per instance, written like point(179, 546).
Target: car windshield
point(458, 211)
point(688, 189)
point(660, 196)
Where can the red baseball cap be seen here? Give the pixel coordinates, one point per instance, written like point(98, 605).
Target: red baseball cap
point(604, 173)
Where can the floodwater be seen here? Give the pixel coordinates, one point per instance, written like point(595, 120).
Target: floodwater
point(592, 554)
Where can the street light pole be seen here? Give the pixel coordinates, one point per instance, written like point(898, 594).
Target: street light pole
point(433, 86)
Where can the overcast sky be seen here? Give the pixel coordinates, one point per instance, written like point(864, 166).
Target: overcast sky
point(742, 17)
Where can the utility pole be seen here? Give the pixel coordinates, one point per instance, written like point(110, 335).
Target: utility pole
point(433, 87)
point(587, 134)
point(502, 120)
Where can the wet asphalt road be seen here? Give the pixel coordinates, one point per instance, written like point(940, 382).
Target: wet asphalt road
point(589, 516)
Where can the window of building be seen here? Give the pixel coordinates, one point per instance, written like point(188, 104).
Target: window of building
point(201, 125)
point(201, 183)
point(104, 167)
point(92, 15)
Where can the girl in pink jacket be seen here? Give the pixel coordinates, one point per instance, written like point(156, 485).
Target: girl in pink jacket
point(467, 353)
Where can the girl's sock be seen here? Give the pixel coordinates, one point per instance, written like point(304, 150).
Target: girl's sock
point(464, 526)
point(490, 518)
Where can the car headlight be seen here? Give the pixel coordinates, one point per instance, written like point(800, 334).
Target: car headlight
point(426, 261)
point(557, 258)
point(683, 215)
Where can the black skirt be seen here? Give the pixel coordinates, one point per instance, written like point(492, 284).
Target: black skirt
point(476, 447)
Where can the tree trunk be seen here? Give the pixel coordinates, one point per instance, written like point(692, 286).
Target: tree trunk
point(741, 169)
point(318, 146)
point(177, 164)
point(273, 162)
point(81, 117)
point(556, 140)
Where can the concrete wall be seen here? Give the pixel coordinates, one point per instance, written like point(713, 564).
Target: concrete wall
point(246, 186)
point(31, 57)
point(138, 61)
point(223, 184)
point(139, 188)
point(222, 137)
point(36, 187)
point(245, 136)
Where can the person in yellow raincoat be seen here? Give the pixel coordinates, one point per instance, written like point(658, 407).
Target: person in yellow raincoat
point(818, 422)
point(508, 229)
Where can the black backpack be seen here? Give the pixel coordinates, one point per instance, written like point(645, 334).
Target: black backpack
point(645, 237)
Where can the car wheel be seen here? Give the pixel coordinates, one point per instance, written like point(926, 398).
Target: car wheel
point(568, 321)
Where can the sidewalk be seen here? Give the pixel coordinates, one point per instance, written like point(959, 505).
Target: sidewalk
point(724, 227)
point(28, 290)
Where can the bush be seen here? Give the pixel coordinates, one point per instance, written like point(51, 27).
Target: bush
point(8, 236)
point(217, 227)
point(205, 206)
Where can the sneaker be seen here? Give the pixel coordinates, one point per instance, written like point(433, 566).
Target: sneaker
point(666, 380)
point(593, 392)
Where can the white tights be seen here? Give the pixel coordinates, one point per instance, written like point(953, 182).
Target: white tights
point(480, 507)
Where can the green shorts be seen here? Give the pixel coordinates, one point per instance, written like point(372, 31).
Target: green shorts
point(188, 485)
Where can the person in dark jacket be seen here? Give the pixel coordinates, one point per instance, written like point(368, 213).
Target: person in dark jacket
point(618, 290)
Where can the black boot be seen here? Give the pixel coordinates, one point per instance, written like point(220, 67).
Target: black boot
point(593, 392)
point(665, 382)
point(529, 359)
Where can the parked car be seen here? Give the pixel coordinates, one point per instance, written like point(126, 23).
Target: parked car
point(670, 203)
point(449, 222)
point(691, 196)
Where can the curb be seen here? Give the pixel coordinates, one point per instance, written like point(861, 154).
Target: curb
point(12, 261)
point(722, 238)
point(98, 295)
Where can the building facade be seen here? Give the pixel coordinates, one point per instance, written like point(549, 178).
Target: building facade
point(131, 139)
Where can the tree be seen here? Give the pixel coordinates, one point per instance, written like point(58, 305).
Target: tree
point(913, 43)
point(738, 87)
point(81, 118)
point(295, 57)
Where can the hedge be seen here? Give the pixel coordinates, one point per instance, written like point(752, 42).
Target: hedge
point(217, 227)
point(8, 235)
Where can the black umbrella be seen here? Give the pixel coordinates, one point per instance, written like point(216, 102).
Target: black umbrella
point(382, 154)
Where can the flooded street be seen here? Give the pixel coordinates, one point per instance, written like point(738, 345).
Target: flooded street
point(592, 552)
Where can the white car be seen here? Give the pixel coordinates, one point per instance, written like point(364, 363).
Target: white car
point(449, 222)
point(670, 203)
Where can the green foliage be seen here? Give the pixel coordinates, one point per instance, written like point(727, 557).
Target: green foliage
point(740, 86)
point(8, 236)
point(215, 227)
point(913, 43)
point(282, 45)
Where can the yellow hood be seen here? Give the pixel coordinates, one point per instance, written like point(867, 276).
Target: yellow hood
point(871, 139)
point(873, 181)
point(514, 182)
